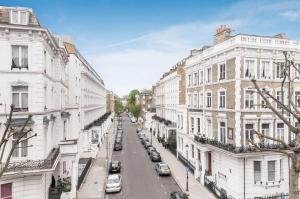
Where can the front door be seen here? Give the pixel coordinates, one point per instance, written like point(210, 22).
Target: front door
point(209, 162)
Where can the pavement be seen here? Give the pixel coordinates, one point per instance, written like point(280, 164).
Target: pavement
point(140, 180)
point(196, 190)
point(93, 185)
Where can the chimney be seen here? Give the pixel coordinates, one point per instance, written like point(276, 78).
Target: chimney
point(281, 36)
point(222, 34)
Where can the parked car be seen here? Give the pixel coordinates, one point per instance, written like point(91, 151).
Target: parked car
point(117, 146)
point(115, 166)
point(138, 130)
point(113, 183)
point(151, 149)
point(162, 169)
point(147, 145)
point(133, 120)
point(118, 140)
point(119, 127)
point(155, 157)
point(144, 140)
point(120, 131)
point(141, 135)
point(178, 195)
point(119, 135)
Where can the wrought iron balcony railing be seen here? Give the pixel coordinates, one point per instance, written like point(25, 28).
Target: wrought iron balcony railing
point(26, 165)
point(234, 149)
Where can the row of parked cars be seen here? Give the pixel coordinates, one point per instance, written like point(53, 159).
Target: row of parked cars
point(114, 179)
point(161, 168)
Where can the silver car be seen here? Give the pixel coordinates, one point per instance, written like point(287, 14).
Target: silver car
point(162, 169)
point(113, 183)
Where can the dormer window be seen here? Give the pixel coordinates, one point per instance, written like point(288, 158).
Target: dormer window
point(19, 17)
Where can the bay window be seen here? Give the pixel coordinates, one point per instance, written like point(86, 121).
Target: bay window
point(257, 171)
point(271, 170)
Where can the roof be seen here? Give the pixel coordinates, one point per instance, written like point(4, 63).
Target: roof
point(70, 48)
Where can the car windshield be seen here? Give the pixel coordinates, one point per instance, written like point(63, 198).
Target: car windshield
point(164, 166)
point(113, 180)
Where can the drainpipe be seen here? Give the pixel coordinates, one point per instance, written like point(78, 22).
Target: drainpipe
point(244, 179)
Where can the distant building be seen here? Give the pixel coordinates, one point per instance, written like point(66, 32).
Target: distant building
point(110, 101)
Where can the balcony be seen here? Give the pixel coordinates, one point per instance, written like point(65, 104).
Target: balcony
point(30, 165)
point(234, 149)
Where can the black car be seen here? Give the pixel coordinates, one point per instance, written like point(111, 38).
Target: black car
point(120, 131)
point(144, 140)
point(117, 146)
point(150, 149)
point(115, 166)
point(155, 156)
point(177, 195)
point(118, 140)
point(147, 145)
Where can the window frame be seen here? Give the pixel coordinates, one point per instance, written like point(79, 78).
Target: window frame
point(20, 93)
point(222, 73)
point(257, 172)
point(249, 98)
point(254, 68)
point(222, 105)
point(209, 99)
point(270, 69)
point(20, 57)
point(273, 175)
point(19, 16)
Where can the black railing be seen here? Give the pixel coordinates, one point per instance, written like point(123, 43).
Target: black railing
point(98, 122)
point(84, 172)
point(25, 165)
point(234, 149)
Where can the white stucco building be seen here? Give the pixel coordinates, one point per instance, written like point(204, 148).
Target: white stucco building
point(41, 76)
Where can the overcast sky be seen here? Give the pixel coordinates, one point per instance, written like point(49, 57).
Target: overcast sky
point(131, 43)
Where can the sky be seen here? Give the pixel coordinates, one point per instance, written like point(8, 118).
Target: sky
point(131, 43)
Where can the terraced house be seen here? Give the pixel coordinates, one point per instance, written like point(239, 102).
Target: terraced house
point(223, 108)
point(45, 76)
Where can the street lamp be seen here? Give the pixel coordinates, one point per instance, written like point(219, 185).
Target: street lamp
point(107, 150)
point(187, 167)
point(151, 132)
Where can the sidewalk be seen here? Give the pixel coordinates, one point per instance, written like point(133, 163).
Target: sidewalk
point(196, 190)
point(93, 185)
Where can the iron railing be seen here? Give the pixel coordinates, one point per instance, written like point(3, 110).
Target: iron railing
point(25, 165)
point(234, 149)
point(84, 172)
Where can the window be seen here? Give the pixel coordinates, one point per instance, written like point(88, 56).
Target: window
point(271, 170)
point(208, 100)
point(222, 99)
point(208, 75)
point(181, 121)
point(21, 149)
point(297, 70)
point(265, 72)
point(223, 132)
point(201, 77)
point(19, 17)
point(193, 151)
point(248, 131)
point(279, 97)
point(6, 191)
point(222, 71)
point(209, 128)
point(199, 155)
point(297, 98)
point(190, 80)
point(192, 124)
point(249, 99)
point(19, 56)
point(280, 131)
point(196, 78)
point(196, 101)
point(249, 68)
point(265, 130)
point(257, 171)
point(198, 125)
point(279, 70)
point(20, 98)
point(190, 100)
point(201, 99)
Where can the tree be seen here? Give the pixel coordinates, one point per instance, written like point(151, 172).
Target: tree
point(135, 110)
point(20, 135)
point(131, 97)
point(118, 105)
point(285, 112)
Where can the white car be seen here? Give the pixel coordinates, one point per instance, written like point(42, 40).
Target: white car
point(133, 120)
point(113, 183)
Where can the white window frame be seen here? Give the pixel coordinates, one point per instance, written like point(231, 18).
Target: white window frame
point(254, 69)
point(20, 57)
point(19, 17)
point(223, 128)
point(219, 99)
point(223, 72)
point(270, 75)
point(208, 76)
point(254, 99)
point(276, 69)
point(208, 102)
point(280, 131)
point(20, 93)
point(255, 174)
point(274, 172)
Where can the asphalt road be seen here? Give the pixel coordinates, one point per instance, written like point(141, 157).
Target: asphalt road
point(140, 180)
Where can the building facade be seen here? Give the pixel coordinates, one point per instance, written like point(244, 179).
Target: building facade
point(223, 108)
point(41, 77)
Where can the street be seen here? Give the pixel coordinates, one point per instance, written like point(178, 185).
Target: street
point(140, 180)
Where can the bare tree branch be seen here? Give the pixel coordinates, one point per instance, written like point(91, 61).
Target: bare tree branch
point(271, 138)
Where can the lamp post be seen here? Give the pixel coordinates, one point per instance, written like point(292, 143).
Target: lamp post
point(187, 167)
point(151, 132)
point(107, 149)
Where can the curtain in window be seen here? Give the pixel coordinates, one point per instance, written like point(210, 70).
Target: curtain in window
point(24, 100)
point(15, 56)
point(257, 171)
point(24, 56)
point(15, 100)
point(14, 17)
point(271, 170)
